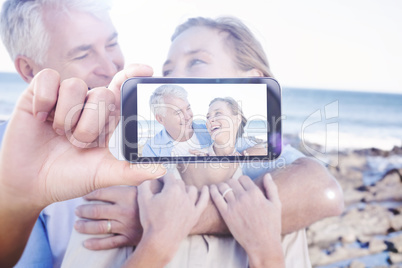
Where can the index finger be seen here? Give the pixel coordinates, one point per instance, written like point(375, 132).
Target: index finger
point(131, 70)
point(45, 90)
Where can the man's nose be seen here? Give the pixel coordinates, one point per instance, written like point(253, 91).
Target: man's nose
point(106, 66)
point(188, 115)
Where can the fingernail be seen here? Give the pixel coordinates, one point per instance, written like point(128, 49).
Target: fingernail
point(160, 176)
point(76, 225)
point(269, 176)
point(42, 116)
point(86, 244)
point(77, 212)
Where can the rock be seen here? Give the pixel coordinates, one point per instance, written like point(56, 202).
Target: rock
point(397, 241)
point(395, 257)
point(317, 256)
point(373, 220)
point(348, 237)
point(376, 246)
point(386, 193)
point(397, 150)
point(352, 196)
point(391, 178)
point(325, 232)
point(350, 167)
point(357, 264)
point(366, 215)
point(396, 222)
point(343, 253)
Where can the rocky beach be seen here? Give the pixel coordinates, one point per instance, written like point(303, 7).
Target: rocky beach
point(369, 231)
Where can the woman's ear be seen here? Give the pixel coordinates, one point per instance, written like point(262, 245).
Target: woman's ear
point(254, 73)
point(26, 68)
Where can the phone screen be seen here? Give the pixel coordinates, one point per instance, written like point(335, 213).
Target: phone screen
point(201, 119)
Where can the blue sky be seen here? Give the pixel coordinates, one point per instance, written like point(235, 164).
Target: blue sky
point(343, 44)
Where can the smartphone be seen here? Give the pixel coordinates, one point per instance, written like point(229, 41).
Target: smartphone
point(185, 120)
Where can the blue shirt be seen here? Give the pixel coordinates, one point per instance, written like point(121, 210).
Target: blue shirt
point(162, 143)
point(50, 236)
point(37, 253)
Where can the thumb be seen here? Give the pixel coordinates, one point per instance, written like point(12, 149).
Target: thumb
point(132, 70)
point(115, 172)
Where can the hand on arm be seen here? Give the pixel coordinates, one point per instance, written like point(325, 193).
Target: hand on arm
point(308, 193)
point(121, 208)
point(253, 219)
point(167, 218)
point(39, 166)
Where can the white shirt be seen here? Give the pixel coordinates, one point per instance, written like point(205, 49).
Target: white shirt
point(183, 148)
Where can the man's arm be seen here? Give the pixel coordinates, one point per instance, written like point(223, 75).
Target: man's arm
point(39, 167)
point(308, 193)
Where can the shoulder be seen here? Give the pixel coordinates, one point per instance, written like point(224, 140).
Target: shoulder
point(160, 136)
point(202, 134)
point(290, 154)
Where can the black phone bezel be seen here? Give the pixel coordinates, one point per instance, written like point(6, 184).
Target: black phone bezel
point(129, 109)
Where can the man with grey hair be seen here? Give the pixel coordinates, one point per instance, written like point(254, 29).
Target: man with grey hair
point(180, 134)
point(77, 39)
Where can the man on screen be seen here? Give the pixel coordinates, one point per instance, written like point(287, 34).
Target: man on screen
point(180, 134)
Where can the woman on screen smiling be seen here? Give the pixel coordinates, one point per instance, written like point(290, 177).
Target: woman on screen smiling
point(226, 48)
point(225, 123)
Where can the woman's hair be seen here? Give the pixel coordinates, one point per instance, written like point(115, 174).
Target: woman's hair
point(22, 27)
point(157, 99)
point(236, 110)
point(247, 51)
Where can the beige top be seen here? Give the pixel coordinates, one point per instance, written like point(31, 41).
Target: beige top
point(195, 251)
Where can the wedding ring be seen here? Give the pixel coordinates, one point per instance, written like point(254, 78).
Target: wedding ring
point(109, 227)
point(226, 191)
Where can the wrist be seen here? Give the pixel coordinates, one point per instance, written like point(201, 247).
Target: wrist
point(268, 255)
point(147, 254)
point(162, 245)
point(267, 259)
point(210, 222)
point(18, 204)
